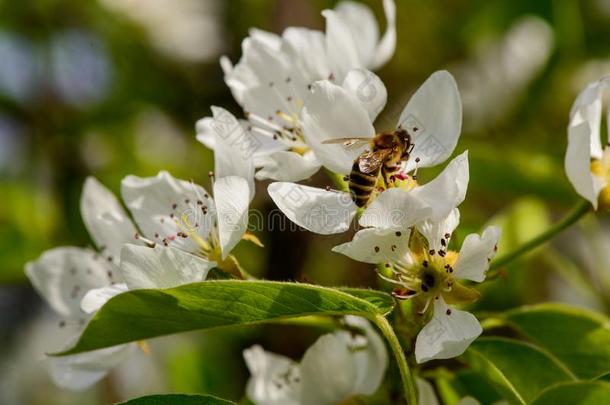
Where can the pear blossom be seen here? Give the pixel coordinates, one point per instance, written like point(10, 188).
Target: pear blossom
point(65, 276)
point(336, 367)
point(432, 118)
point(587, 162)
point(275, 74)
point(427, 272)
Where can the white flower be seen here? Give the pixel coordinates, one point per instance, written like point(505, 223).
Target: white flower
point(274, 76)
point(587, 163)
point(432, 117)
point(337, 366)
point(428, 273)
point(185, 233)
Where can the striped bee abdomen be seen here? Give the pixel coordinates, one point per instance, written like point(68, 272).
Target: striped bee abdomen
point(361, 185)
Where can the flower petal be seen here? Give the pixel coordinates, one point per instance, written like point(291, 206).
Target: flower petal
point(332, 112)
point(80, 371)
point(387, 45)
point(105, 218)
point(288, 166)
point(274, 379)
point(435, 231)
point(317, 210)
point(95, 298)
point(370, 361)
point(425, 391)
point(368, 88)
point(328, 371)
point(308, 49)
point(396, 209)
point(448, 189)
point(264, 145)
point(164, 206)
point(578, 163)
point(588, 108)
point(161, 267)
point(363, 27)
point(447, 335)
point(341, 48)
point(234, 148)
point(433, 117)
point(476, 253)
point(375, 245)
point(231, 194)
point(63, 275)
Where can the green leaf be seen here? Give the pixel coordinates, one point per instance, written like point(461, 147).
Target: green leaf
point(177, 399)
point(148, 313)
point(577, 337)
point(576, 393)
point(519, 371)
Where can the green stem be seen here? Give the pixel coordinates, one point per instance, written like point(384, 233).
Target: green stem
point(573, 216)
point(405, 373)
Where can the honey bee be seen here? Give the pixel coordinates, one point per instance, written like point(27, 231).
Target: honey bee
point(387, 151)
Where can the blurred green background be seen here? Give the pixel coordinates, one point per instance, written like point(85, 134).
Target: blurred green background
point(114, 87)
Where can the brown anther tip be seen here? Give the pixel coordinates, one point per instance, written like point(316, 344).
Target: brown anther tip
point(174, 206)
point(432, 252)
point(417, 160)
point(398, 233)
point(425, 263)
point(448, 312)
point(387, 265)
point(441, 253)
point(447, 235)
point(136, 236)
point(376, 249)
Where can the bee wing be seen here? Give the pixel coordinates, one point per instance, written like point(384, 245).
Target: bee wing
point(369, 161)
point(347, 142)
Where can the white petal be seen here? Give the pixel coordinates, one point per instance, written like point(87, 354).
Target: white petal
point(578, 163)
point(476, 253)
point(370, 361)
point(270, 39)
point(274, 379)
point(288, 166)
point(363, 28)
point(231, 194)
point(327, 371)
point(448, 189)
point(308, 49)
point(164, 206)
point(234, 148)
point(95, 298)
point(375, 245)
point(161, 267)
point(433, 117)
point(341, 48)
point(105, 218)
point(317, 210)
point(395, 209)
point(264, 145)
point(588, 108)
point(446, 335)
point(80, 371)
point(269, 80)
point(435, 231)
point(63, 275)
point(205, 133)
point(426, 394)
point(387, 45)
point(368, 88)
point(332, 112)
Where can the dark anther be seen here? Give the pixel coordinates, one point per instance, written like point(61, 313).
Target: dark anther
point(398, 233)
point(432, 252)
point(425, 263)
point(174, 205)
point(448, 311)
point(376, 249)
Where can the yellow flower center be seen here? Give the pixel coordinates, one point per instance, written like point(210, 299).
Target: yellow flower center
point(600, 168)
